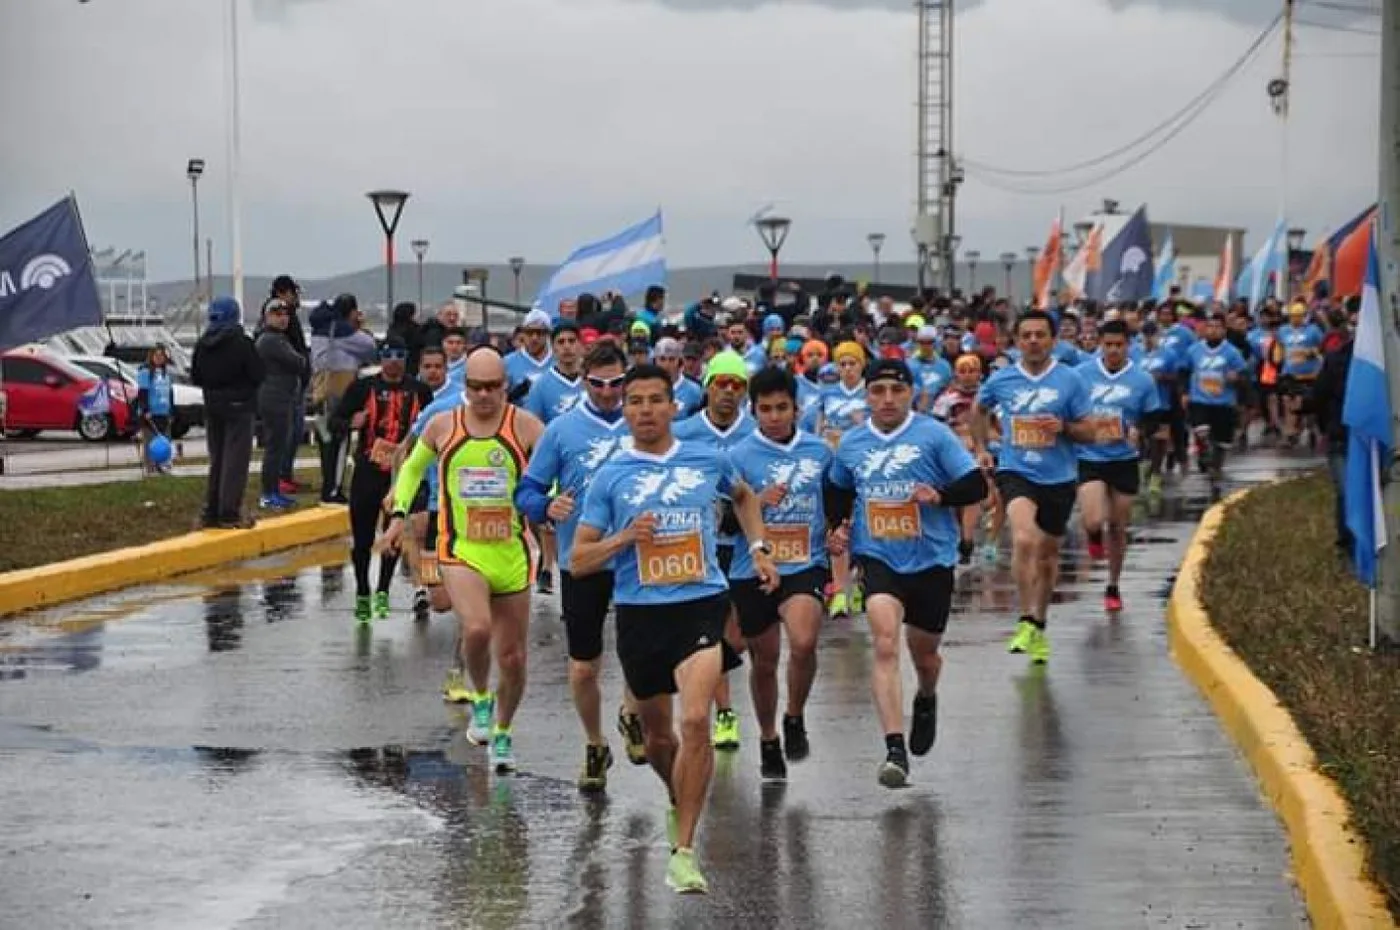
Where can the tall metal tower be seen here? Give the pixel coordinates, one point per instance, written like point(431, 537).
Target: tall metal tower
point(936, 184)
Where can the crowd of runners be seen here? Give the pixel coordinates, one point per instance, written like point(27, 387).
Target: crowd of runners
point(727, 478)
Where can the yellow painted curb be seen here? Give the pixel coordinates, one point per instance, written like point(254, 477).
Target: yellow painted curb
point(120, 568)
point(1328, 858)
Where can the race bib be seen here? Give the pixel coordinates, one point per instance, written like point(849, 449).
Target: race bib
point(1299, 356)
point(382, 453)
point(1212, 385)
point(483, 484)
point(429, 572)
point(489, 524)
point(791, 542)
point(893, 521)
point(676, 558)
point(1108, 427)
point(1034, 431)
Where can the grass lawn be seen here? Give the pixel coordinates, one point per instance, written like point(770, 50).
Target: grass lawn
point(47, 525)
point(1283, 599)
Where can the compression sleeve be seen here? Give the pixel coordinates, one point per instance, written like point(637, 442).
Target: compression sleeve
point(411, 476)
point(532, 499)
point(839, 503)
point(966, 491)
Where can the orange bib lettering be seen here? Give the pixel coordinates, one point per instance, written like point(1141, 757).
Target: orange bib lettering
point(489, 524)
point(1214, 385)
point(791, 542)
point(1108, 427)
point(1034, 431)
point(429, 572)
point(893, 521)
point(677, 558)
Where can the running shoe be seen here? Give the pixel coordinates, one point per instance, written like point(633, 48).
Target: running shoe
point(772, 765)
point(596, 762)
point(363, 608)
point(894, 771)
point(1154, 486)
point(857, 599)
point(422, 607)
point(726, 730)
point(633, 740)
point(682, 874)
point(1021, 640)
point(483, 712)
point(275, 502)
point(454, 688)
point(502, 756)
point(1112, 600)
point(836, 605)
point(795, 742)
point(989, 553)
point(965, 549)
point(287, 488)
point(1097, 550)
point(380, 605)
point(923, 729)
point(545, 583)
point(1039, 647)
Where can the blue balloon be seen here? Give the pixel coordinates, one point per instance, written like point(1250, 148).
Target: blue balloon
point(159, 451)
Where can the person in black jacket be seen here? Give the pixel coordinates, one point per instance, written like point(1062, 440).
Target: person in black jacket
point(227, 367)
point(404, 328)
point(286, 289)
point(1328, 398)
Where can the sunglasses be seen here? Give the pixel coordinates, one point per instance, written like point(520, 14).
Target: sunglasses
point(485, 386)
point(601, 383)
point(729, 383)
point(393, 355)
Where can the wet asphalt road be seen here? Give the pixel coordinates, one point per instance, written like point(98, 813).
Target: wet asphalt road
point(230, 751)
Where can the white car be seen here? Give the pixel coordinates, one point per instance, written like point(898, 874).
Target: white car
point(189, 400)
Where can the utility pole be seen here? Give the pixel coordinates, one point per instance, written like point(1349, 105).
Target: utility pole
point(1387, 240)
point(934, 121)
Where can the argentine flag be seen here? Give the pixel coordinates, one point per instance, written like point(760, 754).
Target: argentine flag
point(1270, 260)
point(1166, 270)
point(97, 402)
point(1366, 413)
point(628, 262)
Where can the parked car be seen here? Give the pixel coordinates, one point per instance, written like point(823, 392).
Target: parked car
point(189, 400)
point(43, 392)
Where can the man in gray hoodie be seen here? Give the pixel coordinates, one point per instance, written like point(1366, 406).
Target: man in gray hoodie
point(278, 395)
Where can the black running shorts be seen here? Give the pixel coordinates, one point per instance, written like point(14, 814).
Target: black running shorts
point(1053, 502)
point(759, 611)
point(927, 596)
point(584, 606)
point(1219, 419)
point(653, 639)
point(1122, 477)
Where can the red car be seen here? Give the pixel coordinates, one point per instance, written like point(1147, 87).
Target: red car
point(45, 392)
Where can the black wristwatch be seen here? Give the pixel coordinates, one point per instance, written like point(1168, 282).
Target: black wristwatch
point(398, 515)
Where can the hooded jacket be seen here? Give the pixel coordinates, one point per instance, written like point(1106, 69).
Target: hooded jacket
point(336, 345)
point(284, 368)
point(226, 365)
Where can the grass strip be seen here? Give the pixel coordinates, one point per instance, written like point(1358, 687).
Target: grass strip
point(1283, 599)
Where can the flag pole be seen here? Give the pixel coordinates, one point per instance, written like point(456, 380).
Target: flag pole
point(1386, 239)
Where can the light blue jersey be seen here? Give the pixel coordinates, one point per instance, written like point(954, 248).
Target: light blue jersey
point(160, 391)
point(1210, 367)
point(1302, 350)
point(1067, 353)
point(457, 372)
point(688, 396)
point(756, 358)
point(681, 489)
point(882, 469)
point(553, 395)
point(1179, 339)
point(795, 527)
point(842, 408)
point(448, 397)
point(1033, 410)
point(931, 376)
point(1118, 400)
point(809, 395)
point(1163, 365)
point(571, 451)
point(699, 431)
point(521, 366)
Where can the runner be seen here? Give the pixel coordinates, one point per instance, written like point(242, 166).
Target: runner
point(1215, 368)
point(790, 467)
point(1042, 406)
point(432, 373)
point(485, 551)
point(533, 358)
point(903, 473)
point(1302, 362)
point(382, 408)
point(1163, 365)
point(572, 450)
point(553, 394)
point(721, 424)
point(1125, 404)
point(841, 408)
point(689, 394)
point(954, 407)
point(650, 513)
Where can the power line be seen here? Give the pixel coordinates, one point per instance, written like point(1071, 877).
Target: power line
point(1338, 27)
point(1341, 7)
point(1189, 110)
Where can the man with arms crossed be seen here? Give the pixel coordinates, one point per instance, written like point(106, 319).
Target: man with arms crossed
point(650, 512)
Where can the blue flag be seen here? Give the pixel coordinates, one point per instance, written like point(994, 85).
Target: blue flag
point(1166, 270)
point(1366, 413)
point(628, 262)
point(46, 280)
point(1125, 265)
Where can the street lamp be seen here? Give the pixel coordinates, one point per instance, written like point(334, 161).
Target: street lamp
point(420, 250)
point(1288, 280)
point(972, 256)
point(517, 265)
point(877, 242)
point(1008, 261)
point(1295, 239)
point(388, 206)
point(950, 252)
point(773, 230)
point(1081, 232)
point(194, 168)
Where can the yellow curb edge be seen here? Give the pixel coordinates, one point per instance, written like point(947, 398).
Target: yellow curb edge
point(46, 585)
point(1329, 859)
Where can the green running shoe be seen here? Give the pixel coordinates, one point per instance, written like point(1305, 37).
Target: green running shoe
point(1020, 640)
point(454, 688)
point(502, 754)
point(726, 731)
point(857, 599)
point(380, 605)
point(596, 762)
point(1039, 648)
point(682, 874)
point(483, 714)
point(363, 610)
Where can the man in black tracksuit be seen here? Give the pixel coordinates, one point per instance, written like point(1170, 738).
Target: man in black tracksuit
point(382, 408)
point(227, 367)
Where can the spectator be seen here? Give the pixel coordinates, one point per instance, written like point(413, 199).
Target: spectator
point(1328, 398)
point(286, 289)
point(155, 402)
point(435, 330)
point(227, 367)
point(404, 327)
point(285, 371)
point(340, 347)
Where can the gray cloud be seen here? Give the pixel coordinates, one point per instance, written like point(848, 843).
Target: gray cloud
point(1248, 11)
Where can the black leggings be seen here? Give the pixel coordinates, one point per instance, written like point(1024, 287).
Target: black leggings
point(367, 489)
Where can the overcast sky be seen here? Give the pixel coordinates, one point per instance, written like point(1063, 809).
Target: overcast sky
point(530, 126)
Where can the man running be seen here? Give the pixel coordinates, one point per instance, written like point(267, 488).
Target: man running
point(905, 473)
point(382, 408)
point(1043, 407)
point(650, 513)
point(432, 372)
point(789, 467)
point(1125, 404)
point(721, 424)
point(1215, 368)
point(572, 450)
point(533, 358)
point(485, 551)
point(552, 395)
